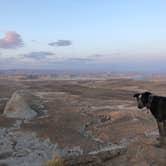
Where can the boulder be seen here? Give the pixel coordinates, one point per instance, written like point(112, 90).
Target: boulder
point(22, 105)
point(98, 159)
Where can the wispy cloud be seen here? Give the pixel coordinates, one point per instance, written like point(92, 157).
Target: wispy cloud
point(11, 40)
point(38, 55)
point(61, 43)
point(97, 55)
point(8, 62)
point(79, 59)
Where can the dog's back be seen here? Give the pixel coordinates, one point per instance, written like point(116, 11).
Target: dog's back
point(158, 107)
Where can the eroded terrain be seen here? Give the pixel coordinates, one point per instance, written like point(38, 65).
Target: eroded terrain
point(80, 118)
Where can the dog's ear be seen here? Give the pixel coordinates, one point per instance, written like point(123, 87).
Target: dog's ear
point(145, 97)
point(147, 94)
point(136, 95)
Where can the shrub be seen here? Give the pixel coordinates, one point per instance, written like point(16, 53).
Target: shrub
point(57, 161)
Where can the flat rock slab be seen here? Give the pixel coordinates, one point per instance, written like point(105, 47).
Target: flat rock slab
point(22, 105)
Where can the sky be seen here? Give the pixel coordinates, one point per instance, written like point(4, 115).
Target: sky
point(83, 35)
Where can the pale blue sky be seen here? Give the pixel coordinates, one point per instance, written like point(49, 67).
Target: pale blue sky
point(124, 34)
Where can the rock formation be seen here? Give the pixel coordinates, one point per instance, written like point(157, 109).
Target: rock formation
point(22, 105)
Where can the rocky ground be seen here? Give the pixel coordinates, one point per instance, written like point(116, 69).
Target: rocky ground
point(97, 121)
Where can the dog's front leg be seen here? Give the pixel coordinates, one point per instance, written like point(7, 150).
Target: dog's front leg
point(161, 124)
point(163, 139)
point(162, 132)
point(165, 131)
point(164, 126)
point(159, 128)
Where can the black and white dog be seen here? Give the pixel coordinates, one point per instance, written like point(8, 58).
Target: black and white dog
point(157, 106)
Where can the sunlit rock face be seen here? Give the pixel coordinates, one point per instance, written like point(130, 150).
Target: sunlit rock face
point(22, 105)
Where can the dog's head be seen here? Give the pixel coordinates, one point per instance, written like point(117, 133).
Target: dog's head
point(142, 99)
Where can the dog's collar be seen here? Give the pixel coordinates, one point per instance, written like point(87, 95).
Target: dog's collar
point(150, 99)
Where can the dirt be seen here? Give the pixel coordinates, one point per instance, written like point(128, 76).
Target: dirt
point(88, 116)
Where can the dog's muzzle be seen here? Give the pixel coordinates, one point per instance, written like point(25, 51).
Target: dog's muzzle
point(140, 106)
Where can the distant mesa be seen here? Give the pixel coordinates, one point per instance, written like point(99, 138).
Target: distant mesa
point(23, 105)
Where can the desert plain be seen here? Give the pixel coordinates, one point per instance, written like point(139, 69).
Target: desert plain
point(84, 121)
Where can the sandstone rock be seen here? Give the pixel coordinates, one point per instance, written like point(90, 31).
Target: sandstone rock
point(98, 159)
point(3, 102)
point(22, 105)
point(25, 148)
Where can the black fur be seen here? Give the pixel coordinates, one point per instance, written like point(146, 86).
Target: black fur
point(157, 106)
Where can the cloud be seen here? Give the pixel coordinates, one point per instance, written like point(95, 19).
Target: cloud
point(38, 55)
point(79, 59)
point(97, 55)
point(76, 61)
point(11, 40)
point(8, 62)
point(60, 43)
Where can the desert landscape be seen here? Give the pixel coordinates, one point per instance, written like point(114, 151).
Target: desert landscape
point(77, 121)
point(82, 83)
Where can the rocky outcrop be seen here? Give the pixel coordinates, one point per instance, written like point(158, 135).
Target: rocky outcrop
point(22, 105)
point(137, 153)
point(24, 148)
point(97, 159)
point(3, 102)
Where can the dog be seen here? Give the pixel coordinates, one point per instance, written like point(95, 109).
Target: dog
point(157, 106)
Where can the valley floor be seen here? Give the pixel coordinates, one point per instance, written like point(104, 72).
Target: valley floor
point(88, 117)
